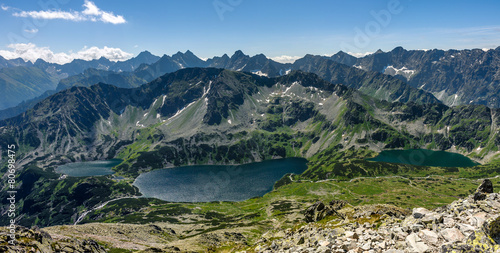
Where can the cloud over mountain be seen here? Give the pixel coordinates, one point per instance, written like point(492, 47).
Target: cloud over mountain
point(285, 58)
point(31, 52)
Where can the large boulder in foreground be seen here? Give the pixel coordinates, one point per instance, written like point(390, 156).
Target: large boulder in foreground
point(483, 190)
point(319, 210)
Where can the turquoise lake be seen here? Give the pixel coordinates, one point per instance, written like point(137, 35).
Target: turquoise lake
point(424, 157)
point(216, 182)
point(87, 169)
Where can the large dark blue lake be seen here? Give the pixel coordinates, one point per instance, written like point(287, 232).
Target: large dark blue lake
point(424, 157)
point(87, 169)
point(215, 182)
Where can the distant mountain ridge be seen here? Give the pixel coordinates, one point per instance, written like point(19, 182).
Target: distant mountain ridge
point(78, 65)
point(383, 87)
point(379, 86)
point(22, 81)
point(453, 77)
point(456, 77)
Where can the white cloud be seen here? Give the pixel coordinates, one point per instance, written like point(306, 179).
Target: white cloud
point(31, 30)
point(285, 58)
point(90, 13)
point(113, 19)
point(4, 7)
point(358, 55)
point(30, 52)
point(73, 16)
point(91, 9)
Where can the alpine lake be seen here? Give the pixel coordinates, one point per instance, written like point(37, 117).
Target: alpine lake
point(217, 182)
point(88, 169)
point(424, 157)
point(201, 183)
point(206, 183)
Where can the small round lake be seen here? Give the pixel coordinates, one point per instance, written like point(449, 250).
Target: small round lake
point(424, 157)
point(87, 169)
point(207, 183)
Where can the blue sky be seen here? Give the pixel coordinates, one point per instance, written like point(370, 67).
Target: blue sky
point(120, 29)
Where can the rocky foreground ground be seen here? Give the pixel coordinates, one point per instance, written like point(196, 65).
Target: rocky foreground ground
point(466, 225)
point(37, 241)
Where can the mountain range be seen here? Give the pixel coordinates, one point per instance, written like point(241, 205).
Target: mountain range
point(217, 116)
point(453, 77)
point(70, 114)
point(22, 81)
point(367, 100)
point(83, 73)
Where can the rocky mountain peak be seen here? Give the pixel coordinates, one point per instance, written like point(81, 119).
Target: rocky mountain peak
point(398, 49)
point(145, 54)
point(238, 54)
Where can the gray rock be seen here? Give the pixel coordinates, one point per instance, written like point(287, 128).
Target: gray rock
point(415, 244)
point(432, 217)
point(466, 228)
point(429, 237)
point(367, 246)
point(419, 213)
point(452, 235)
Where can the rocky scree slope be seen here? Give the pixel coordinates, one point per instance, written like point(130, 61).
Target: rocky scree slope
point(471, 224)
point(35, 240)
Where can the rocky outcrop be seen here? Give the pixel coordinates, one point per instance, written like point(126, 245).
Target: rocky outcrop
point(483, 190)
point(466, 225)
point(319, 210)
point(34, 240)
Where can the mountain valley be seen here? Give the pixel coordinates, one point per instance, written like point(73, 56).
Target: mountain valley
point(226, 113)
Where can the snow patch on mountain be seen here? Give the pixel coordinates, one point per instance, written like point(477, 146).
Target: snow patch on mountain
point(259, 72)
point(391, 70)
